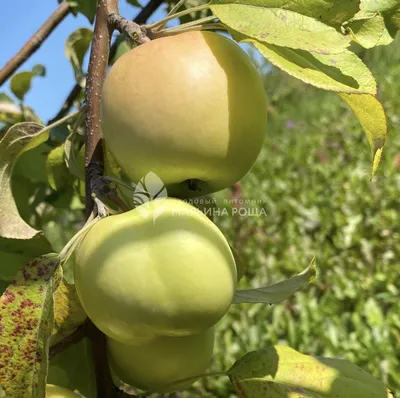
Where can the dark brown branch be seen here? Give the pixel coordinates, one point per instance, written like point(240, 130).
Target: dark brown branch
point(68, 103)
point(34, 42)
point(141, 18)
point(73, 338)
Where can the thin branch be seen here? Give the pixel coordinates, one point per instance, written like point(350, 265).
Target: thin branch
point(34, 42)
point(73, 338)
point(141, 18)
point(68, 103)
point(177, 15)
point(132, 29)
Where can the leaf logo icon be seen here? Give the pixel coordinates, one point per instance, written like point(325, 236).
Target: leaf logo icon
point(148, 189)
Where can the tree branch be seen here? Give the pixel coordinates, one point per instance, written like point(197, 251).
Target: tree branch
point(141, 18)
point(94, 164)
point(68, 103)
point(34, 42)
point(73, 338)
point(132, 29)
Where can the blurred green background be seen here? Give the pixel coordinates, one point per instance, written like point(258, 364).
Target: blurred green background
point(313, 176)
point(313, 180)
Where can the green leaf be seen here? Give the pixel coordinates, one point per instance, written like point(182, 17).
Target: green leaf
point(57, 171)
point(15, 253)
point(373, 6)
point(134, 3)
point(86, 7)
point(280, 371)
point(19, 138)
point(68, 312)
point(21, 82)
point(330, 12)
point(76, 46)
point(370, 29)
point(32, 164)
point(73, 369)
point(392, 21)
point(26, 320)
point(281, 27)
point(280, 291)
point(371, 115)
point(123, 47)
point(343, 72)
point(9, 111)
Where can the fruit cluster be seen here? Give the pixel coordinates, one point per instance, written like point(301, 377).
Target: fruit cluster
point(157, 279)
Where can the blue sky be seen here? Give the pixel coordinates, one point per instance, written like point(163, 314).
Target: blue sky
point(19, 20)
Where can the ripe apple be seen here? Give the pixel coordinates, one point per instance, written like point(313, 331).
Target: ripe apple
point(53, 391)
point(190, 108)
point(154, 365)
point(161, 269)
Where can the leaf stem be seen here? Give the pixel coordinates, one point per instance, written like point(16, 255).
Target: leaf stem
point(177, 15)
point(200, 24)
point(172, 12)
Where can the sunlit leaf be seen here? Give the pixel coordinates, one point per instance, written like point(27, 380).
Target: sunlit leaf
point(280, 371)
point(371, 115)
point(281, 27)
point(343, 72)
point(68, 312)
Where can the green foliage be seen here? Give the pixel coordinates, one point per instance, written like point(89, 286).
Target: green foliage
point(76, 46)
point(85, 7)
point(73, 368)
point(21, 82)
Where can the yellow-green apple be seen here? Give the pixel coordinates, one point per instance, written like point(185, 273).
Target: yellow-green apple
point(162, 268)
point(156, 365)
point(53, 391)
point(190, 108)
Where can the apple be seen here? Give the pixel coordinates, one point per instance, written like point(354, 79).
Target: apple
point(53, 391)
point(190, 108)
point(155, 365)
point(162, 268)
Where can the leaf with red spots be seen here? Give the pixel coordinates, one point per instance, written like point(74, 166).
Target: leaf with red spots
point(26, 320)
point(280, 372)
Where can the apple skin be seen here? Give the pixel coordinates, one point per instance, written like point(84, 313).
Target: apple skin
point(137, 276)
point(53, 391)
point(153, 365)
point(188, 107)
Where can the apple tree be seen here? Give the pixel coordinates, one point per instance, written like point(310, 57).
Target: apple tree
point(106, 260)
